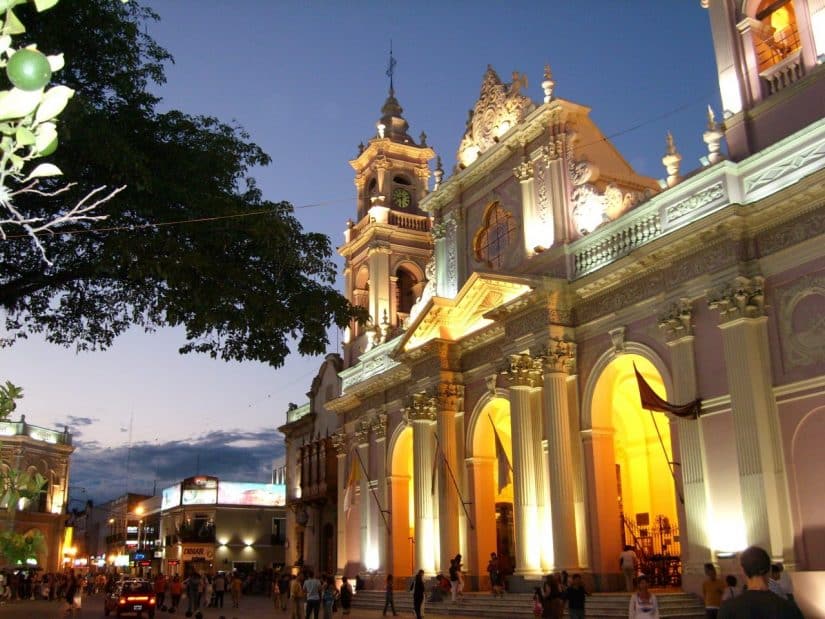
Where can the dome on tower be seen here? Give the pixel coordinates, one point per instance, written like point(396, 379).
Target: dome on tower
point(395, 126)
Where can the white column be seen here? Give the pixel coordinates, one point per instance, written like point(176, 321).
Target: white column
point(755, 418)
point(362, 436)
point(545, 515)
point(450, 399)
point(379, 432)
point(524, 375)
point(422, 415)
point(579, 493)
point(340, 444)
point(695, 545)
point(557, 364)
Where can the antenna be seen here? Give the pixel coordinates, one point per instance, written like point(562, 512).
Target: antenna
point(129, 452)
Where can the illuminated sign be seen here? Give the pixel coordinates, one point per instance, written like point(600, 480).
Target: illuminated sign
point(191, 496)
point(190, 553)
point(171, 497)
point(122, 560)
point(241, 493)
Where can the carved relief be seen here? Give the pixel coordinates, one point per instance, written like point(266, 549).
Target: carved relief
point(524, 370)
point(677, 322)
point(526, 324)
point(339, 443)
point(542, 199)
point(695, 202)
point(785, 167)
point(743, 298)
point(617, 339)
point(499, 108)
point(379, 426)
point(482, 356)
point(802, 321)
point(792, 232)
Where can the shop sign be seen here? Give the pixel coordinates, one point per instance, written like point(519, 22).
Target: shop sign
point(190, 553)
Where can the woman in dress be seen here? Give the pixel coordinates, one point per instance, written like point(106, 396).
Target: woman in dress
point(553, 601)
point(643, 604)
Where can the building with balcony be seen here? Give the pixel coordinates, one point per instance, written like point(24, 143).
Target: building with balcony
point(24, 446)
point(504, 401)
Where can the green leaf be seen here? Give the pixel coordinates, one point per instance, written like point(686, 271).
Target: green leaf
point(53, 103)
point(44, 135)
point(24, 136)
point(7, 129)
point(43, 170)
point(16, 103)
point(44, 5)
point(14, 25)
point(56, 62)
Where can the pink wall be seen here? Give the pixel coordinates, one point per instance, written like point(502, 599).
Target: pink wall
point(710, 360)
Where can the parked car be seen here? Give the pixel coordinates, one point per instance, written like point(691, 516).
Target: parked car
point(131, 597)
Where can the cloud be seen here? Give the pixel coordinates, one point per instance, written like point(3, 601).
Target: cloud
point(74, 423)
point(232, 455)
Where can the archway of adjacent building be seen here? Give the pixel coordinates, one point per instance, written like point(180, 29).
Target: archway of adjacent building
point(632, 460)
point(402, 505)
point(491, 482)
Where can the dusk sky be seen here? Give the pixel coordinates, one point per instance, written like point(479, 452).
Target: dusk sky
point(307, 81)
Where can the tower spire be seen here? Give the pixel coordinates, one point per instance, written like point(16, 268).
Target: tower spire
point(391, 69)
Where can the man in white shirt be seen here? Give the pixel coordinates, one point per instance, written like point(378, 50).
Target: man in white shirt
point(627, 563)
point(312, 588)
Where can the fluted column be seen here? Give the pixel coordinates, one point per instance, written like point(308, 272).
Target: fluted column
point(339, 442)
point(422, 414)
point(450, 400)
point(524, 375)
point(545, 514)
point(755, 419)
point(381, 534)
point(678, 330)
point(362, 438)
point(558, 363)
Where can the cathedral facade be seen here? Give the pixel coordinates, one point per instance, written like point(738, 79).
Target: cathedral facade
point(492, 404)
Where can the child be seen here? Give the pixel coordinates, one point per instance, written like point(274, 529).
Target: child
point(730, 590)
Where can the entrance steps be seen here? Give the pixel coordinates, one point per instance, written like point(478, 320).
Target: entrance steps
point(672, 605)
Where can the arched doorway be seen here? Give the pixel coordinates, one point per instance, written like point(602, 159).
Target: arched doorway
point(630, 471)
point(402, 503)
point(491, 480)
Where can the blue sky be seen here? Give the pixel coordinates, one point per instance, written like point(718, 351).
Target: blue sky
point(306, 80)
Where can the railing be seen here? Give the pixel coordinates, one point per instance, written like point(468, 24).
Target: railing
point(21, 428)
point(658, 550)
point(294, 414)
point(783, 73)
point(612, 242)
point(421, 223)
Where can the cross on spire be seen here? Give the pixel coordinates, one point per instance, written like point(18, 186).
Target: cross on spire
point(391, 69)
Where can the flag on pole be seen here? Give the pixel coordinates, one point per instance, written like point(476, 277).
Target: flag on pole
point(504, 467)
point(652, 402)
point(352, 481)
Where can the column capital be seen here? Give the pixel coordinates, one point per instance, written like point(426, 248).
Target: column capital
point(524, 371)
point(379, 426)
point(676, 322)
point(339, 443)
point(560, 356)
point(744, 297)
point(451, 397)
point(362, 433)
point(423, 407)
point(523, 171)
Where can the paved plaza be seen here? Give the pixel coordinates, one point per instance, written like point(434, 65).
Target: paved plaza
point(254, 607)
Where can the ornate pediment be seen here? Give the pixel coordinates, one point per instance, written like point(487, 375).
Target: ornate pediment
point(499, 108)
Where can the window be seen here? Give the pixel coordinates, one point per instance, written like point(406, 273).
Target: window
point(278, 531)
point(498, 231)
point(778, 36)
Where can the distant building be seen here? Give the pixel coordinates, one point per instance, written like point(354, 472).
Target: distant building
point(491, 402)
point(213, 525)
point(47, 451)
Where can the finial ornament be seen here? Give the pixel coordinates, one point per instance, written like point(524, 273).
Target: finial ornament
point(423, 139)
point(671, 161)
point(713, 138)
point(548, 84)
point(704, 3)
point(381, 128)
point(361, 148)
point(438, 173)
point(391, 69)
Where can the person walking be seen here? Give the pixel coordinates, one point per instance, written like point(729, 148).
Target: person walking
point(643, 604)
point(219, 587)
point(455, 579)
point(328, 596)
point(176, 591)
point(712, 592)
point(757, 600)
point(388, 597)
point(575, 596)
point(418, 593)
point(235, 588)
point(284, 582)
point(160, 591)
point(552, 600)
point(312, 590)
point(296, 594)
point(346, 595)
point(193, 592)
point(627, 563)
point(494, 571)
point(276, 592)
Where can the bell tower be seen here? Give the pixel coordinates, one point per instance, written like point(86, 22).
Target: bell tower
point(387, 248)
point(769, 56)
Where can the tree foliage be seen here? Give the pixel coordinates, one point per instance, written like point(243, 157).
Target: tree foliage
point(243, 285)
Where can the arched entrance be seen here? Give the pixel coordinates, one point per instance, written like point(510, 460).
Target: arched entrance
point(491, 481)
point(630, 456)
point(402, 505)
